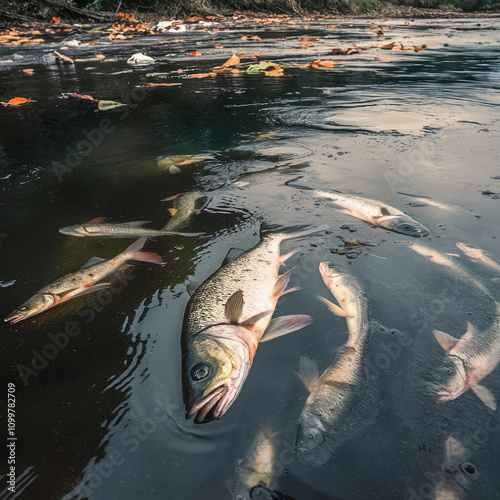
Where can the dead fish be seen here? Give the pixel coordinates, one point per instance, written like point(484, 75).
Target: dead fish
point(423, 201)
point(186, 206)
point(81, 282)
point(376, 213)
point(469, 360)
point(173, 163)
point(226, 318)
point(479, 255)
point(332, 394)
point(98, 228)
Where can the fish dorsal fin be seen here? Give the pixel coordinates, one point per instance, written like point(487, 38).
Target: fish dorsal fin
point(136, 223)
point(337, 310)
point(485, 396)
point(96, 220)
point(92, 261)
point(172, 211)
point(446, 341)
point(285, 324)
point(171, 198)
point(248, 323)
point(233, 254)
point(469, 334)
point(234, 307)
point(308, 373)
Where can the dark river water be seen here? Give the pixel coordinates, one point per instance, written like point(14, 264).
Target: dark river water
point(99, 413)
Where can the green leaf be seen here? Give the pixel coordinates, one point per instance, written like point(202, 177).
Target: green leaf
point(107, 105)
point(261, 67)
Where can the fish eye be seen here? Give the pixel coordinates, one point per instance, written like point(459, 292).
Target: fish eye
point(23, 308)
point(407, 227)
point(199, 372)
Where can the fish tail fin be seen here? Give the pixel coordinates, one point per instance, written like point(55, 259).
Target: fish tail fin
point(150, 257)
point(133, 252)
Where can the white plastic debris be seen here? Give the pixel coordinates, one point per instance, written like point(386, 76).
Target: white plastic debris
point(140, 59)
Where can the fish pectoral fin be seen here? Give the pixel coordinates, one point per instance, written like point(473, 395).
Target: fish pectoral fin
point(174, 170)
point(136, 223)
point(234, 307)
point(92, 261)
point(470, 332)
point(172, 211)
point(285, 324)
point(282, 283)
point(446, 341)
point(308, 372)
point(384, 218)
point(248, 323)
point(123, 267)
point(96, 220)
point(485, 396)
point(337, 310)
point(88, 289)
point(171, 198)
point(191, 288)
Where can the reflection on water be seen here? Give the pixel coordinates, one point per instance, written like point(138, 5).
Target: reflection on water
point(99, 413)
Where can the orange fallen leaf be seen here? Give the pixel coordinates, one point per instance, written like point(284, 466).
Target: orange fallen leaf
point(161, 84)
point(308, 40)
point(28, 71)
point(232, 61)
point(111, 36)
point(56, 20)
point(304, 47)
point(100, 56)
point(324, 64)
point(202, 75)
point(255, 37)
point(227, 70)
point(218, 47)
point(417, 49)
point(254, 55)
point(16, 101)
point(379, 33)
point(388, 46)
point(280, 39)
point(109, 60)
point(277, 71)
point(195, 53)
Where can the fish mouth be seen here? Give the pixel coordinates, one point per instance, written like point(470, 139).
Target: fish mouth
point(204, 408)
point(14, 318)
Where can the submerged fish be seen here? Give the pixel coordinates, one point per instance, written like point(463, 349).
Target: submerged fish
point(172, 163)
point(186, 206)
point(81, 282)
point(376, 213)
point(97, 227)
point(258, 465)
point(479, 255)
point(470, 359)
point(226, 318)
point(332, 394)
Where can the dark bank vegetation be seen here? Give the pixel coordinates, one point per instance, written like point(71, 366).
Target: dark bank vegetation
point(104, 10)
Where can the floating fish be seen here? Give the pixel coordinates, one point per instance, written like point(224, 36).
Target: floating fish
point(376, 213)
point(226, 318)
point(98, 228)
point(173, 163)
point(332, 395)
point(470, 359)
point(186, 206)
point(81, 282)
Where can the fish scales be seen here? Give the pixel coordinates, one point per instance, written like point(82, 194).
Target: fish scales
point(256, 281)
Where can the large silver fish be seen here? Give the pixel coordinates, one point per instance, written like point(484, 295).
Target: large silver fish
point(332, 394)
point(479, 255)
point(98, 228)
point(376, 213)
point(226, 318)
point(81, 282)
point(186, 206)
point(469, 360)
